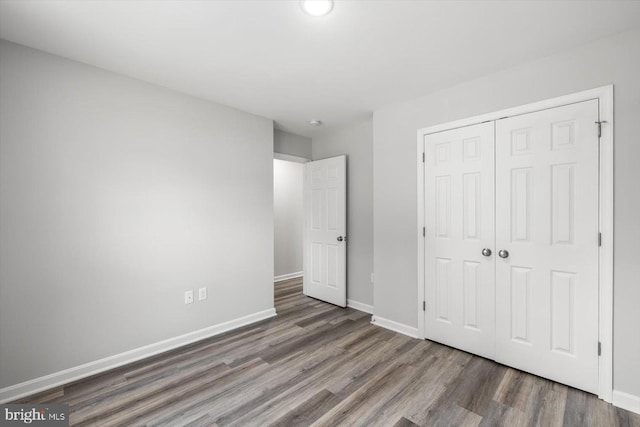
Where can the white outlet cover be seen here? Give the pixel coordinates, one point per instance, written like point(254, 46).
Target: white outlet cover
point(202, 294)
point(188, 297)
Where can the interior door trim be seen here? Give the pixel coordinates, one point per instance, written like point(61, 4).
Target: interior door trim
point(604, 95)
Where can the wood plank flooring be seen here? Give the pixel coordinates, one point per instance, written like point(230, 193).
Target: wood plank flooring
point(317, 364)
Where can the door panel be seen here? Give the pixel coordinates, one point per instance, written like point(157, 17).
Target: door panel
point(547, 220)
point(459, 218)
point(325, 222)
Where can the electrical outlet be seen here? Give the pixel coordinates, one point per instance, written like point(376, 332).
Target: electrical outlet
point(188, 297)
point(372, 278)
point(202, 294)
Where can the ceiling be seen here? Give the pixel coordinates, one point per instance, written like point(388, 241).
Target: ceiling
point(271, 59)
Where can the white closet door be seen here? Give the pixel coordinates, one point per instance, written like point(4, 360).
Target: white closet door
point(547, 221)
point(459, 218)
point(325, 212)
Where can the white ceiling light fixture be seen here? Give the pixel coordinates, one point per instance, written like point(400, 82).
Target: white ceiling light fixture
point(315, 122)
point(316, 7)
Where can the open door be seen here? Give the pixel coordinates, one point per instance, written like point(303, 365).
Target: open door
point(325, 227)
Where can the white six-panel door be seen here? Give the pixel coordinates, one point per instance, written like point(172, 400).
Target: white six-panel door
point(547, 221)
point(459, 225)
point(325, 212)
point(533, 303)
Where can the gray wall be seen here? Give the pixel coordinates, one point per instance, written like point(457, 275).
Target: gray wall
point(288, 179)
point(356, 142)
point(116, 196)
point(613, 60)
point(291, 144)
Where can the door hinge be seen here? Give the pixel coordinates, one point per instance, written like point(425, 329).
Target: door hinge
point(599, 348)
point(424, 306)
point(424, 231)
point(599, 123)
point(599, 239)
point(422, 157)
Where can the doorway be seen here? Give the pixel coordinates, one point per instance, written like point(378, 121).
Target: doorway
point(310, 220)
point(288, 209)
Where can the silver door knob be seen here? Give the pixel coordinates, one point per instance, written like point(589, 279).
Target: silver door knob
point(503, 254)
point(340, 238)
point(486, 252)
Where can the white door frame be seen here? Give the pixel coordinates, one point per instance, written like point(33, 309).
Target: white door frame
point(604, 95)
point(290, 158)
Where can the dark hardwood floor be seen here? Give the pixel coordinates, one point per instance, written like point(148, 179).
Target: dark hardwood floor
point(316, 364)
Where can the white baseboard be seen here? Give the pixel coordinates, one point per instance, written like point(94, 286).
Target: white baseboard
point(626, 401)
point(360, 306)
point(395, 326)
point(288, 276)
point(57, 379)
